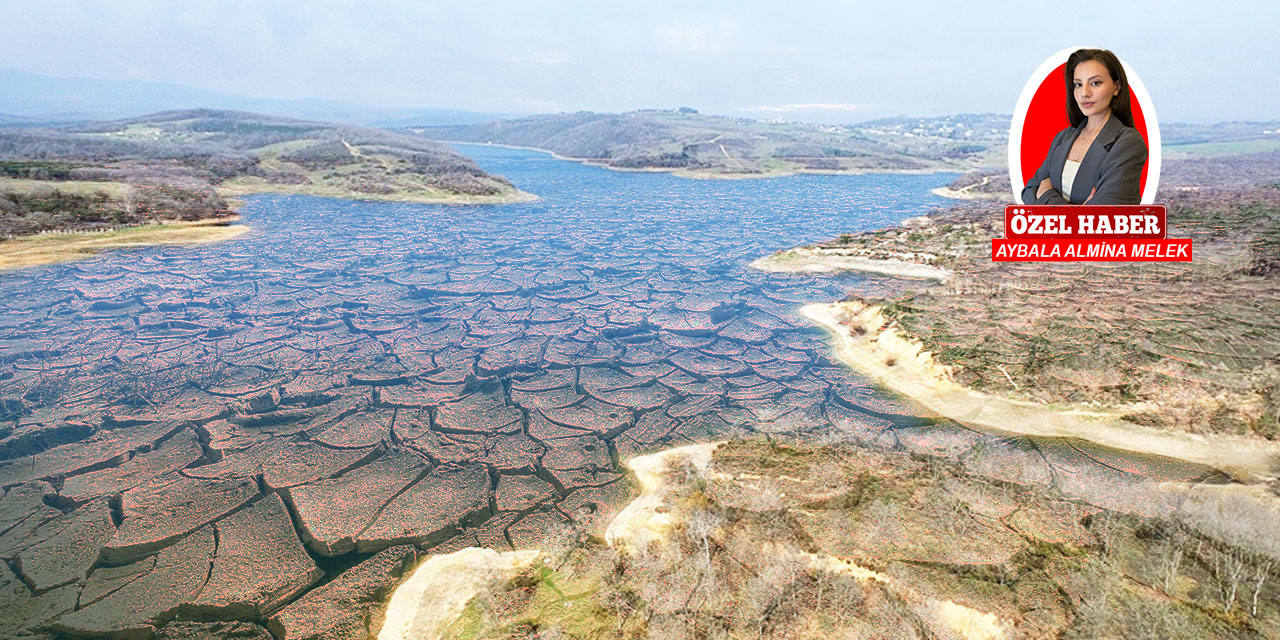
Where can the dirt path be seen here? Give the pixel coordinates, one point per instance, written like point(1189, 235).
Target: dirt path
point(986, 180)
point(895, 361)
point(729, 157)
point(355, 153)
point(967, 193)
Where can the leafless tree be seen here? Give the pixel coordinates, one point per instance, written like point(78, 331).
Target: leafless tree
point(1231, 568)
point(1172, 550)
point(1261, 571)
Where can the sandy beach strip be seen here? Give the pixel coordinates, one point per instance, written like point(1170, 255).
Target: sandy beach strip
point(50, 248)
point(816, 261)
point(886, 356)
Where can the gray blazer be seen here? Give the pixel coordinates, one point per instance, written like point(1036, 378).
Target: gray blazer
point(1112, 165)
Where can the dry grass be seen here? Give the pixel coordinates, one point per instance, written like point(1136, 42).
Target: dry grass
point(1189, 346)
point(372, 175)
point(50, 248)
point(116, 190)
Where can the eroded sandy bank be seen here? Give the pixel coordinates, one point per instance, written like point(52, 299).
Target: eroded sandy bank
point(822, 261)
point(869, 342)
point(434, 596)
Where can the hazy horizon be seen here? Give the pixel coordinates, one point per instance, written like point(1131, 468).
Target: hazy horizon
point(830, 62)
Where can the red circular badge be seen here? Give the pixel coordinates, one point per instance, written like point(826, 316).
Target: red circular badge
point(1042, 112)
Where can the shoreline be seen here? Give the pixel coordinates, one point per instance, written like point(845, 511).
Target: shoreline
point(915, 374)
point(436, 596)
point(816, 262)
point(57, 245)
point(437, 591)
point(966, 192)
point(245, 189)
point(52, 248)
point(706, 175)
point(957, 194)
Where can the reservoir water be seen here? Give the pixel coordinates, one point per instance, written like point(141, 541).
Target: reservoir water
point(404, 372)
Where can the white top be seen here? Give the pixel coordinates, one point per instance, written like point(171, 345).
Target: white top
point(1069, 169)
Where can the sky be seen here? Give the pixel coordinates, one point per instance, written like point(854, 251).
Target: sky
point(814, 61)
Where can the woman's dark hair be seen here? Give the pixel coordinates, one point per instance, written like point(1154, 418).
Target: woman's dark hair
point(1120, 107)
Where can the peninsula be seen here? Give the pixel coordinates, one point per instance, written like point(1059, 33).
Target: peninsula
point(112, 182)
point(1173, 359)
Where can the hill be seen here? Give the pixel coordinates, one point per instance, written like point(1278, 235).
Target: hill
point(689, 143)
point(181, 164)
point(1195, 156)
point(62, 99)
point(10, 120)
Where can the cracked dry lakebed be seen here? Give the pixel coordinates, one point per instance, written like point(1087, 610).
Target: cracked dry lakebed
point(263, 436)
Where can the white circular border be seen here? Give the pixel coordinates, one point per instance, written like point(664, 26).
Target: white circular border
point(1016, 179)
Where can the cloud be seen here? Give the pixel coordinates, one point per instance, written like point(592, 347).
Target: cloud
point(703, 39)
point(135, 72)
point(537, 105)
point(546, 58)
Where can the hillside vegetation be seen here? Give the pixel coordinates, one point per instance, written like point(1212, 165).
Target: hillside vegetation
point(768, 541)
point(686, 142)
point(180, 164)
point(1184, 346)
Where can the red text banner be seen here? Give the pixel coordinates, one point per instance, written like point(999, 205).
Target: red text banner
point(1072, 250)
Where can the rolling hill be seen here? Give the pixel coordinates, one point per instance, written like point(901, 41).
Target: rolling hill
point(180, 164)
point(690, 143)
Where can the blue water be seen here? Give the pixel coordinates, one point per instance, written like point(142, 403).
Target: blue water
point(618, 310)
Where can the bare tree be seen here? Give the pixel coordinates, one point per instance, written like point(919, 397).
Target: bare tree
point(1261, 570)
point(1230, 567)
point(1172, 550)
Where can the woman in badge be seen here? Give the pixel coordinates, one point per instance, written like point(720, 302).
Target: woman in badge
point(1099, 158)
